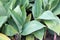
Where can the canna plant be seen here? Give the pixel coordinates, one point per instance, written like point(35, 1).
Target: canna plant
point(29, 18)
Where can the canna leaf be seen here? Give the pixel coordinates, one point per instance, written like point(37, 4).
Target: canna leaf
point(54, 25)
point(47, 15)
point(31, 27)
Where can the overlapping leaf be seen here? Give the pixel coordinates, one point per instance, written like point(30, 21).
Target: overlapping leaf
point(17, 18)
point(54, 25)
point(31, 27)
point(47, 15)
point(39, 34)
point(9, 30)
point(53, 4)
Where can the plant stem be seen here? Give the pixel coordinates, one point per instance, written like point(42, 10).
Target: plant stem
point(45, 36)
point(55, 36)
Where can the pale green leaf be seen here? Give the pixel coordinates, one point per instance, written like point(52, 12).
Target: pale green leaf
point(31, 27)
point(54, 25)
point(17, 18)
point(47, 15)
point(37, 8)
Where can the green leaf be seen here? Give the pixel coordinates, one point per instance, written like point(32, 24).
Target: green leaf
point(24, 3)
point(17, 18)
point(18, 10)
point(39, 34)
point(47, 15)
point(54, 25)
point(3, 19)
point(53, 4)
point(56, 11)
point(23, 10)
point(4, 37)
point(37, 8)
point(30, 37)
point(31, 27)
point(9, 30)
point(3, 11)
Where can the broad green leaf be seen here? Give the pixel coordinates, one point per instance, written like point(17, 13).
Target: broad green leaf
point(9, 30)
point(31, 27)
point(24, 3)
point(30, 37)
point(54, 25)
point(3, 11)
point(56, 11)
point(53, 4)
point(47, 15)
point(3, 19)
point(37, 8)
point(4, 37)
point(17, 18)
point(39, 34)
